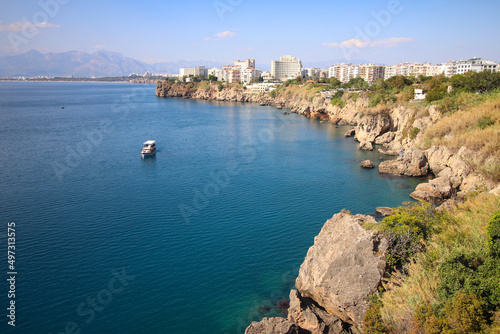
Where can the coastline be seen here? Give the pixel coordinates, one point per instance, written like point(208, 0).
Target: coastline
point(334, 282)
point(388, 129)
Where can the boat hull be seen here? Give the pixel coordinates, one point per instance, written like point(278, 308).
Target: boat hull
point(148, 155)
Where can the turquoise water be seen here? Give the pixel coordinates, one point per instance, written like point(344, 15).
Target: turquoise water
point(204, 238)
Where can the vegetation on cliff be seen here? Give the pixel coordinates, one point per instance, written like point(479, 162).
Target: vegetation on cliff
point(446, 270)
point(477, 126)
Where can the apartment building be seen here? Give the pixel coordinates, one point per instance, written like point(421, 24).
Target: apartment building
point(248, 63)
point(312, 72)
point(194, 71)
point(287, 67)
point(476, 65)
point(371, 72)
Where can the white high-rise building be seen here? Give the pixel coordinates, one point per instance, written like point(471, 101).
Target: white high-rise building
point(287, 67)
point(312, 72)
point(244, 64)
point(476, 65)
point(194, 71)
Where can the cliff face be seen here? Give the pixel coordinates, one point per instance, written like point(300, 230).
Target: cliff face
point(314, 107)
point(343, 267)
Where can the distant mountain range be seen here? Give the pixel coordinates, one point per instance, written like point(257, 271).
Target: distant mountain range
point(81, 64)
point(103, 63)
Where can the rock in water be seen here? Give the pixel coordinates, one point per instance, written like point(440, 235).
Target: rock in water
point(308, 315)
point(272, 326)
point(350, 133)
point(410, 163)
point(366, 145)
point(384, 211)
point(367, 164)
point(345, 264)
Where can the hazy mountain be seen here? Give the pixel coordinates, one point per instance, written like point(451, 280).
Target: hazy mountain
point(81, 64)
point(76, 63)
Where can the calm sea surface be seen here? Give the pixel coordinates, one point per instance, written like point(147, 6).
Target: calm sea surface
point(204, 238)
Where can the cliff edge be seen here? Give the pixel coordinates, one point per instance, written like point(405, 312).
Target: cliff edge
point(343, 267)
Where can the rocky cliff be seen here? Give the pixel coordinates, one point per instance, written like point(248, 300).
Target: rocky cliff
point(343, 267)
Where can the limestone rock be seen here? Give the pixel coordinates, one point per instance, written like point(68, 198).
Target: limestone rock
point(272, 326)
point(385, 138)
point(384, 211)
point(367, 164)
point(306, 314)
point(345, 264)
point(350, 133)
point(388, 152)
point(370, 127)
point(366, 145)
point(411, 163)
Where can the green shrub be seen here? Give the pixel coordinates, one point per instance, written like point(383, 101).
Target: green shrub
point(407, 228)
point(484, 122)
point(493, 232)
point(336, 99)
point(466, 271)
point(219, 86)
point(458, 272)
point(373, 322)
point(414, 132)
point(272, 94)
point(465, 313)
point(427, 319)
point(434, 95)
point(354, 97)
point(420, 218)
point(403, 245)
point(448, 104)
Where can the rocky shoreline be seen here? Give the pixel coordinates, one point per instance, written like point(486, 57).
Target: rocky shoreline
point(394, 130)
point(346, 264)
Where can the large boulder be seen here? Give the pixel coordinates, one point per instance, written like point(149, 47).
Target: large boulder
point(350, 133)
point(366, 145)
point(411, 163)
point(305, 313)
point(367, 164)
point(386, 138)
point(272, 326)
point(383, 211)
point(370, 127)
point(444, 186)
point(343, 267)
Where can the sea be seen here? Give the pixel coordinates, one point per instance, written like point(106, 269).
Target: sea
point(205, 237)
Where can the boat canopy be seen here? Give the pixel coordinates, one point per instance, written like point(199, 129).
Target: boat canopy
point(149, 142)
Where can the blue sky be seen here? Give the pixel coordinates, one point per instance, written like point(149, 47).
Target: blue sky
point(385, 32)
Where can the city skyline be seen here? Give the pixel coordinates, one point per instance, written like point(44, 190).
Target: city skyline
point(383, 32)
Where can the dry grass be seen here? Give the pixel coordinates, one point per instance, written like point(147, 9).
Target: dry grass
point(467, 230)
point(462, 128)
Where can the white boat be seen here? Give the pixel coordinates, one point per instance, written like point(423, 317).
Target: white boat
point(149, 148)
